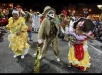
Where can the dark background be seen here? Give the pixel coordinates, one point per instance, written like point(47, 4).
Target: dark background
point(60, 6)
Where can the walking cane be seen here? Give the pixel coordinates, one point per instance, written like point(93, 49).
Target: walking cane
point(37, 59)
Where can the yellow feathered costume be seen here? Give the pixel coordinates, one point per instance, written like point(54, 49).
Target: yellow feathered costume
point(18, 43)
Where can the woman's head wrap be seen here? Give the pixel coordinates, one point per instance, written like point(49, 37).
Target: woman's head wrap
point(15, 12)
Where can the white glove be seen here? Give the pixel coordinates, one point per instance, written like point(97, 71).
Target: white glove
point(66, 30)
point(39, 41)
point(62, 30)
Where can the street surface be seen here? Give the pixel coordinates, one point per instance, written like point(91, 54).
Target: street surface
point(49, 64)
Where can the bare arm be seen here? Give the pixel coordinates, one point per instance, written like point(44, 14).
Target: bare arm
point(89, 36)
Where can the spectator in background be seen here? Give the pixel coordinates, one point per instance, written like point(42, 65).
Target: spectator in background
point(1, 13)
point(36, 22)
point(29, 20)
point(1, 36)
point(21, 13)
point(10, 13)
point(41, 18)
point(99, 32)
point(6, 14)
point(1, 16)
point(97, 22)
point(100, 18)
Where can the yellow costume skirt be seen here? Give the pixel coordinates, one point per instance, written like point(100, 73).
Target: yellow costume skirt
point(82, 64)
point(18, 44)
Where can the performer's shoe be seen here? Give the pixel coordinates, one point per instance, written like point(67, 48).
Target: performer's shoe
point(69, 65)
point(83, 69)
point(58, 59)
point(15, 56)
point(34, 54)
point(22, 56)
point(31, 40)
point(40, 56)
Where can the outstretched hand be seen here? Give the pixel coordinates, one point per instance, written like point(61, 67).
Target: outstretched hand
point(39, 42)
point(18, 33)
point(84, 33)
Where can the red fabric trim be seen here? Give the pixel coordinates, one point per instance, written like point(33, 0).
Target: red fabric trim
point(79, 51)
point(91, 34)
point(82, 68)
point(86, 38)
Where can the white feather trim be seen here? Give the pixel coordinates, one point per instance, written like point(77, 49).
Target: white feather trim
point(15, 12)
point(85, 47)
point(70, 61)
point(76, 62)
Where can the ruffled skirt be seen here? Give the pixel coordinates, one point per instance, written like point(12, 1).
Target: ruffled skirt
point(79, 57)
point(18, 44)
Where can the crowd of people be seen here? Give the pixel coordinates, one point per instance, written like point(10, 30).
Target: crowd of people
point(50, 26)
point(38, 19)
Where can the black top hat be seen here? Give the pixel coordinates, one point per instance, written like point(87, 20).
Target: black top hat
point(87, 26)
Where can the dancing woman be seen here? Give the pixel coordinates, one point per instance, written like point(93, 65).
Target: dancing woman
point(18, 35)
point(78, 55)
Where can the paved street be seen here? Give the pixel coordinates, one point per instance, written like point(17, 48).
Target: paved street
point(49, 64)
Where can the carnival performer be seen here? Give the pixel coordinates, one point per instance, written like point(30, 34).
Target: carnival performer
point(29, 20)
point(18, 35)
point(48, 32)
point(78, 55)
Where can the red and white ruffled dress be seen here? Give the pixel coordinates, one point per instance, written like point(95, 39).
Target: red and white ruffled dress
point(78, 54)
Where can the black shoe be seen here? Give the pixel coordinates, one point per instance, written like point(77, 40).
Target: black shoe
point(32, 71)
point(30, 40)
